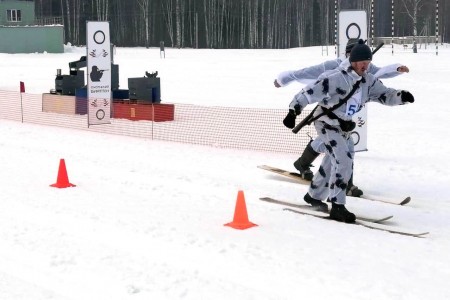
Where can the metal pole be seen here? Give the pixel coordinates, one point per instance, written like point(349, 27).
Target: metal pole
point(335, 27)
point(371, 24)
point(392, 15)
point(437, 26)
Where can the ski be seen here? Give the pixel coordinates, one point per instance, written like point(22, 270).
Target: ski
point(297, 177)
point(371, 225)
point(385, 200)
point(310, 208)
point(292, 175)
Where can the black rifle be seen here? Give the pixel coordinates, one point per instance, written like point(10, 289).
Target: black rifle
point(377, 48)
point(309, 118)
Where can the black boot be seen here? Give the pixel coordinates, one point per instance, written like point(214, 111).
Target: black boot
point(316, 204)
point(353, 190)
point(340, 213)
point(303, 163)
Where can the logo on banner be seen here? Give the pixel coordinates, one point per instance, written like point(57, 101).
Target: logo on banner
point(99, 37)
point(96, 74)
point(98, 104)
point(93, 53)
point(353, 31)
point(360, 122)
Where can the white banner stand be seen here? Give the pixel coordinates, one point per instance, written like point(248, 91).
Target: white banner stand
point(98, 73)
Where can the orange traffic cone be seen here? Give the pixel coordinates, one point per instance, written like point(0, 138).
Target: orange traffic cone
point(240, 220)
point(63, 180)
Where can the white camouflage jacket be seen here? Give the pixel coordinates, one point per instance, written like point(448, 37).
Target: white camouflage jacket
point(334, 85)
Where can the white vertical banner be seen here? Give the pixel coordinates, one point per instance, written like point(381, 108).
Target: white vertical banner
point(99, 73)
point(353, 25)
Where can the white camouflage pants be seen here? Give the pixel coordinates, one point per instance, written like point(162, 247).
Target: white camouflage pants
point(331, 180)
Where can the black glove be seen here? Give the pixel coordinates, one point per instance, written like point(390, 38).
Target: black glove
point(289, 120)
point(407, 97)
point(276, 84)
point(297, 109)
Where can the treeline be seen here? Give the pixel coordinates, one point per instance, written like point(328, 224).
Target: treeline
point(235, 23)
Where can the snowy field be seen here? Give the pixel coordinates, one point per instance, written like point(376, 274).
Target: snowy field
point(145, 220)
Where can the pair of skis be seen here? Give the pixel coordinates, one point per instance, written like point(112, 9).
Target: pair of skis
point(366, 221)
point(297, 177)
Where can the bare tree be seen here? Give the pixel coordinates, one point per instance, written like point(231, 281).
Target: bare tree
point(231, 23)
point(214, 17)
point(144, 5)
point(206, 12)
point(324, 16)
point(178, 22)
point(261, 18)
point(67, 24)
point(168, 18)
point(76, 17)
point(412, 9)
point(272, 21)
point(118, 19)
point(253, 22)
point(242, 35)
point(101, 9)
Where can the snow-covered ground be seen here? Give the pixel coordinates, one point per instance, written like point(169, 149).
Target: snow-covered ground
point(145, 220)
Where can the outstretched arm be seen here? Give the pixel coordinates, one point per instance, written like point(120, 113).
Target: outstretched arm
point(389, 96)
point(388, 71)
point(305, 75)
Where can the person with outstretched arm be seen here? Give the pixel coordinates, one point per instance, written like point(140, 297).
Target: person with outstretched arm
point(307, 75)
point(356, 86)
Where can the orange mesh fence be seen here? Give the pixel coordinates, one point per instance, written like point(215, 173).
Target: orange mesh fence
point(225, 127)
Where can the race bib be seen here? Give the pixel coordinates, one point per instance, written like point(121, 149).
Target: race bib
point(354, 103)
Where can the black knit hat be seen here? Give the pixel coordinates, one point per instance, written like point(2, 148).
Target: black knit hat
point(350, 44)
point(360, 52)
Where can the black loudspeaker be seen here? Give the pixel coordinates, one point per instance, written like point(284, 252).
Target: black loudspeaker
point(145, 89)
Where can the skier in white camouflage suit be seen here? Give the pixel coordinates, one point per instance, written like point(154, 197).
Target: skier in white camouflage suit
point(307, 75)
point(334, 127)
